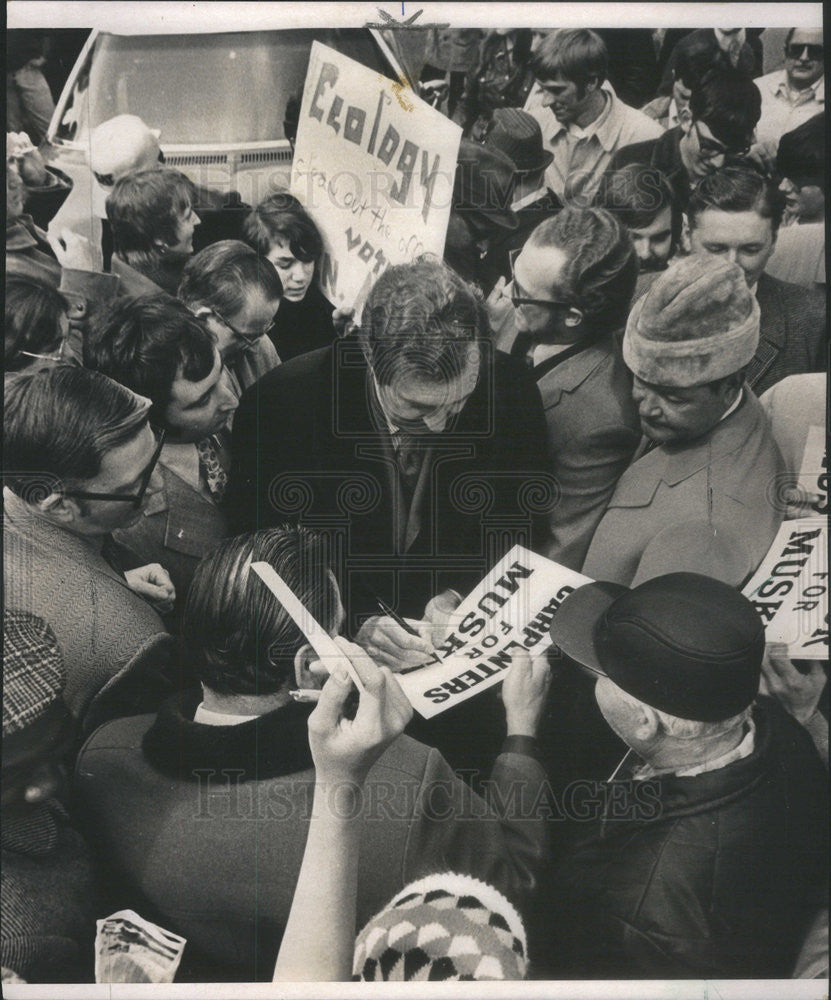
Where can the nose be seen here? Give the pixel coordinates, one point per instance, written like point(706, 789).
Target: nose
point(647, 402)
point(732, 255)
point(437, 421)
point(547, 99)
point(230, 400)
point(642, 249)
point(196, 220)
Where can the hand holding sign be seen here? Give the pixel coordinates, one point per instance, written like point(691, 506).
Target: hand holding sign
point(345, 749)
point(798, 692)
point(524, 693)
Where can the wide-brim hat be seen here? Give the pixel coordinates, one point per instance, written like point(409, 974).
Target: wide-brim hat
point(683, 643)
point(518, 135)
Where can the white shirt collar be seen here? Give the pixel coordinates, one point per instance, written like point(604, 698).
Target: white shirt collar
point(734, 406)
point(207, 717)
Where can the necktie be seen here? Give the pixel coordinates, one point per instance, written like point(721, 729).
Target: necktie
point(211, 468)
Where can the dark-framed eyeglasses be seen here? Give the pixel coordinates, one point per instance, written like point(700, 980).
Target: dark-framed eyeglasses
point(711, 148)
point(132, 498)
point(799, 50)
point(519, 299)
point(250, 339)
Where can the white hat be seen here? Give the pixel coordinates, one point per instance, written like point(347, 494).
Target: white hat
point(117, 146)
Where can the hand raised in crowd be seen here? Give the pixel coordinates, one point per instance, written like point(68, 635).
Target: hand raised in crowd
point(153, 583)
point(345, 749)
point(72, 251)
point(524, 693)
point(392, 646)
point(501, 312)
point(801, 503)
point(342, 320)
point(798, 692)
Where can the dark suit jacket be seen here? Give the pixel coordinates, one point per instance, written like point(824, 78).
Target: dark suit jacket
point(793, 336)
point(306, 450)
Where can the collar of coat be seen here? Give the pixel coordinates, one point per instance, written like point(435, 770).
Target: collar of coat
point(674, 796)
point(270, 746)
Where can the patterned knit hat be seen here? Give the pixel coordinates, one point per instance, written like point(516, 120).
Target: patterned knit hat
point(443, 927)
point(33, 670)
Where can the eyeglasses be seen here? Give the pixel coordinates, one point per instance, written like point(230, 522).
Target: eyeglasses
point(132, 498)
point(520, 300)
point(796, 49)
point(249, 338)
point(710, 149)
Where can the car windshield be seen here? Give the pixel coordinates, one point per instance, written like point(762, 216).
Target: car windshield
point(201, 89)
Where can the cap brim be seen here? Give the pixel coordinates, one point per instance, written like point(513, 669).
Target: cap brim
point(543, 164)
point(574, 625)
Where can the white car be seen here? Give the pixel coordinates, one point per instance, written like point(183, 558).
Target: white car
point(219, 99)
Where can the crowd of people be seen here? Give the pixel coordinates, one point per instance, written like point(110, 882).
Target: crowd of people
point(616, 364)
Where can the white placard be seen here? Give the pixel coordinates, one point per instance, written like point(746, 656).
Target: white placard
point(790, 589)
point(511, 608)
point(374, 166)
point(321, 642)
point(813, 470)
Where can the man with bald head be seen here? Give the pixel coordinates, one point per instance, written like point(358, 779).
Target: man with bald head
point(698, 495)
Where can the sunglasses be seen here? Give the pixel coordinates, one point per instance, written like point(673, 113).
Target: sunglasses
point(131, 498)
point(250, 338)
point(812, 52)
point(710, 149)
point(519, 299)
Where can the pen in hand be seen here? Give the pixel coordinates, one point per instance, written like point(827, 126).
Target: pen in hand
point(387, 610)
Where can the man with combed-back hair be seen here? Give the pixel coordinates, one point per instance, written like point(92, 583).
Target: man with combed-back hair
point(80, 462)
point(204, 807)
point(571, 289)
point(412, 441)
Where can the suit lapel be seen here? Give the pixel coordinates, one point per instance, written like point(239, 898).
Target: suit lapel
point(772, 330)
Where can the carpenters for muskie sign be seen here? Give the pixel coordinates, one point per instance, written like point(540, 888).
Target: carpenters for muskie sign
point(511, 609)
point(374, 165)
point(790, 588)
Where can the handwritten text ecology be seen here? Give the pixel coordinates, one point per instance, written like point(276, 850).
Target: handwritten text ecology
point(400, 162)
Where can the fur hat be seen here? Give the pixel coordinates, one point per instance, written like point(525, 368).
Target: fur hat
point(697, 323)
point(443, 927)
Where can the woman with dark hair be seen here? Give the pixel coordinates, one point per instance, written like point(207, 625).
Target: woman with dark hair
point(280, 229)
point(502, 79)
point(36, 325)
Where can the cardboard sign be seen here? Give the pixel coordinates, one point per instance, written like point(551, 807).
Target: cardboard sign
point(374, 166)
point(511, 609)
point(790, 588)
point(813, 471)
point(330, 654)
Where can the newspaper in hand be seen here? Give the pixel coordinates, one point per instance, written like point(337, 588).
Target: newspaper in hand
point(129, 949)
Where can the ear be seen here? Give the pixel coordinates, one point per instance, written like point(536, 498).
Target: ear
point(574, 318)
point(58, 508)
point(647, 725)
point(309, 672)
